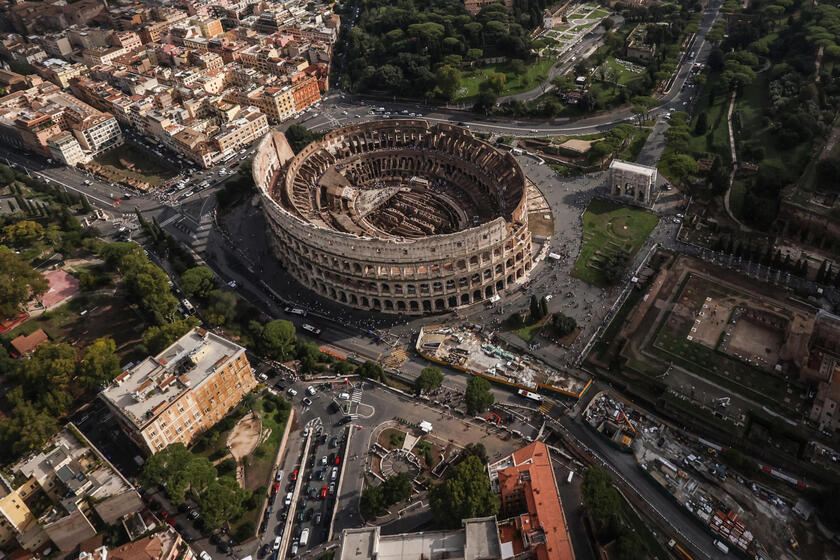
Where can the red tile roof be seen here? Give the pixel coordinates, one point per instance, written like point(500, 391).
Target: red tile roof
point(25, 344)
point(544, 525)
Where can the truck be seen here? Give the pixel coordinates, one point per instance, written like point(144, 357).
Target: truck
point(314, 331)
point(188, 307)
point(722, 547)
point(571, 475)
point(304, 537)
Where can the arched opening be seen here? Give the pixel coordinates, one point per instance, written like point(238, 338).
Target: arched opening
point(500, 286)
point(377, 304)
point(427, 305)
point(365, 302)
point(477, 295)
point(342, 297)
point(453, 301)
point(354, 300)
point(488, 291)
point(439, 304)
point(413, 306)
point(465, 299)
point(400, 305)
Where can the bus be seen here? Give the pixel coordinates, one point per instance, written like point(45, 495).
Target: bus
point(188, 307)
point(530, 395)
point(314, 331)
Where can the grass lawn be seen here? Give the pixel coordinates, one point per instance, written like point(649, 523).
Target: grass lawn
point(608, 227)
point(105, 316)
point(130, 161)
point(599, 14)
point(527, 333)
point(608, 95)
point(622, 75)
point(514, 83)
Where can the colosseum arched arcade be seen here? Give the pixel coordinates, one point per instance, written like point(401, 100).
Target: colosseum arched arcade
point(396, 216)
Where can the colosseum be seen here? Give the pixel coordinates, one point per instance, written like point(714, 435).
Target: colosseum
point(396, 216)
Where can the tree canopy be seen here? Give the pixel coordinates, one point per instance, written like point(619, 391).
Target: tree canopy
point(478, 396)
point(198, 281)
point(18, 282)
point(428, 380)
point(158, 338)
point(465, 493)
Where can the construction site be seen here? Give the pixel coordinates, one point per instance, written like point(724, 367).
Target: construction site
point(472, 350)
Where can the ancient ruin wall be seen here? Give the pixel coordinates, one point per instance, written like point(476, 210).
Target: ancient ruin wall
point(395, 274)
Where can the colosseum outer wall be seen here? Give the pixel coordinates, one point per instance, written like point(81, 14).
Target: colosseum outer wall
point(411, 276)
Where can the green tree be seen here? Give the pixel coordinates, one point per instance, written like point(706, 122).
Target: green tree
point(478, 396)
point(18, 282)
point(277, 339)
point(221, 307)
point(601, 498)
point(300, 137)
point(543, 307)
point(222, 501)
point(159, 338)
point(701, 126)
point(198, 281)
point(372, 503)
point(465, 493)
point(614, 265)
point(563, 324)
point(428, 380)
point(448, 80)
point(100, 363)
point(371, 370)
point(26, 429)
point(23, 232)
point(534, 308)
point(396, 488)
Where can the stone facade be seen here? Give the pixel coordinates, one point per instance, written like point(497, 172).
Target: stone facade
point(396, 216)
point(632, 181)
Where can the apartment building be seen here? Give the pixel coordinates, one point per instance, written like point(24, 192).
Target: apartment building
point(162, 545)
point(184, 390)
point(54, 494)
point(65, 148)
point(60, 72)
point(250, 126)
point(306, 92)
point(128, 40)
point(55, 45)
point(534, 525)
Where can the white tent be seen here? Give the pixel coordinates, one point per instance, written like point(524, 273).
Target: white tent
point(426, 427)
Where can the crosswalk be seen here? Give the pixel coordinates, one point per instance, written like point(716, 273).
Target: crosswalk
point(356, 395)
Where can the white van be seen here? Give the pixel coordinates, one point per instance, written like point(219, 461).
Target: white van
point(334, 473)
point(277, 541)
point(304, 537)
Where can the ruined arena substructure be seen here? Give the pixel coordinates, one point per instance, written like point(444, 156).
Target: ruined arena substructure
point(396, 216)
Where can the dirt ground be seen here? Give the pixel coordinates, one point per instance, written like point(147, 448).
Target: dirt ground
point(245, 436)
point(758, 343)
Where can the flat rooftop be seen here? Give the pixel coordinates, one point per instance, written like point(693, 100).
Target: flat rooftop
point(634, 167)
point(478, 540)
point(148, 387)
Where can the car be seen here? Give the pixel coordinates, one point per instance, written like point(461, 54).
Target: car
point(262, 377)
point(193, 514)
point(294, 550)
point(332, 488)
point(334, 473)
point(204, 555)
point(337, 459)
point(277, 541)
point(294, 475)
point(275, 488)
point(333, 441)
point(279, 476)
point(344, 396)
point(311, 391)
point(320, 474)
point(345, 420)
point(305, 433)
point(534, 131)
point(323, 460)
point(291, 391)
point(324, 491)
point(307, 401)
point(318, 518)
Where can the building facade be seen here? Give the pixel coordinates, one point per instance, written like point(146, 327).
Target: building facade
point(184, 390)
